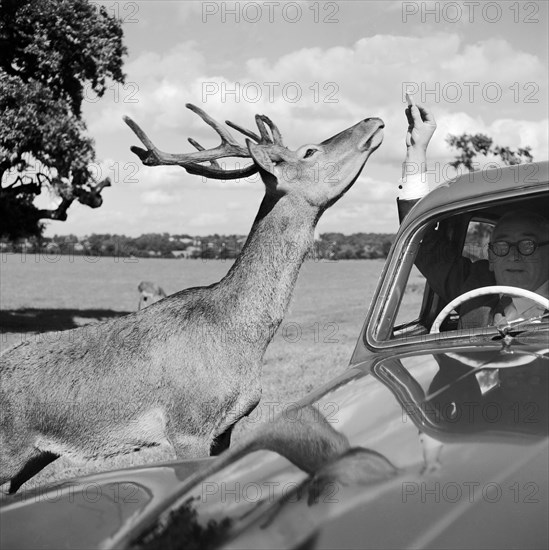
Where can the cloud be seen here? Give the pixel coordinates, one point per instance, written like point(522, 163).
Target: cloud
point(511, 132)
point(313, 93)
point(205, 220)
point(157, 197)
point(534, 134)
point(494, 56)
point(313, 89)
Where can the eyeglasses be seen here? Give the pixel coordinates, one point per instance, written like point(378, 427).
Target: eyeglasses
point(526, 247)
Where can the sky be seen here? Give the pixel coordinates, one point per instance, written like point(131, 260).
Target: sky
point(315, 68)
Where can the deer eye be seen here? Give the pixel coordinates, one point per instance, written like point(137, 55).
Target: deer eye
point(309, 153)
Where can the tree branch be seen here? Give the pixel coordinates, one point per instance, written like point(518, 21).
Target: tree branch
point(60, 213)
point(92, 198)
point(28, 188)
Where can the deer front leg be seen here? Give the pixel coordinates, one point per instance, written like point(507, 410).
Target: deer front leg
point(34, 464)
point(18, 463)
point(223, 440)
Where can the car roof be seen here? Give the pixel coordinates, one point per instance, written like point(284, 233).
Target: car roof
point(520, 180)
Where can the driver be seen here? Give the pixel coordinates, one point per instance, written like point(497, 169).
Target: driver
point(518, 254)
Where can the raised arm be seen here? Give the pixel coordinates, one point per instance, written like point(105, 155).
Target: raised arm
point(439, 259)
point(421, 127)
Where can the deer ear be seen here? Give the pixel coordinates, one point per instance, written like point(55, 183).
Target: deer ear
point(260, 156)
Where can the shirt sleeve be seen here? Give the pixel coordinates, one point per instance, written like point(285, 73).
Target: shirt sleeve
point(413, 186)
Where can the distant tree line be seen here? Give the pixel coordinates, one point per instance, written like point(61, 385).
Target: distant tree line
point(330, 246)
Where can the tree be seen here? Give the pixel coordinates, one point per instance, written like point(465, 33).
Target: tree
point(469, 145)
point(53, 51)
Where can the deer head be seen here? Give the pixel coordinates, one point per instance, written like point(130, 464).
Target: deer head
point(321, 173)
point(318, 173)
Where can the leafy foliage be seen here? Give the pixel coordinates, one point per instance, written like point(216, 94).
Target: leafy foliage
point(52, 50)
point(470, 145)
point(183, 530)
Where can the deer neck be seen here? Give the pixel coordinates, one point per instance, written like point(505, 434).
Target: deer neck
point(258, 287)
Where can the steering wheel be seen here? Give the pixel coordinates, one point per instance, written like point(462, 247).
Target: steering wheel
point(483, 291)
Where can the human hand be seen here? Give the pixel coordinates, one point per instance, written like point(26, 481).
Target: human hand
point(421, 126)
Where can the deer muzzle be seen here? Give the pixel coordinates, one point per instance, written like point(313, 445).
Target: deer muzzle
point(366, 135)
point(372, 134)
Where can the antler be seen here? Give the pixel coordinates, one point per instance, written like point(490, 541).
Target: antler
point(229, 147)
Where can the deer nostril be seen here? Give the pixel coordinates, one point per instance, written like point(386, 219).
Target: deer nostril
point(373, 119)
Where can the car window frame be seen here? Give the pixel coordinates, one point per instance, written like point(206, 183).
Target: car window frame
point(379, 324)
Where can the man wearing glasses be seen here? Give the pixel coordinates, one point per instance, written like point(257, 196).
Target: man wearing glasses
point(518, 253)
point(519, 256)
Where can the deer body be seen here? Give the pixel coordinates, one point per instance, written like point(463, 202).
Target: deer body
point(179, 373)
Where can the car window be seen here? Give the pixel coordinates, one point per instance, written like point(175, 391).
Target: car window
point(417, 294)
point(476, 241)
point(412, 299)
point(407, 304)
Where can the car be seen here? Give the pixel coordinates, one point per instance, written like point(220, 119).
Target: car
point(434, 437)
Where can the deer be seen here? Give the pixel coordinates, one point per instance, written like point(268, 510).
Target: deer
point(149, 293)
point(178, 375)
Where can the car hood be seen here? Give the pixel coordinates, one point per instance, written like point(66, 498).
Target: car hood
point(430, 449)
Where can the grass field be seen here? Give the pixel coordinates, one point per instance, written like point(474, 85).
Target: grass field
point(313, 344)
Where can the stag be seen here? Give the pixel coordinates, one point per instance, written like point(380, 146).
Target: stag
point(179, 374)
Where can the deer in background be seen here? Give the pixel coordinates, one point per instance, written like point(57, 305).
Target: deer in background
point(179, 374)
point(149, 293)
